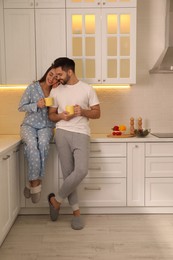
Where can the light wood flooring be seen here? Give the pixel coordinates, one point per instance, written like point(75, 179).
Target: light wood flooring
point(105, 237)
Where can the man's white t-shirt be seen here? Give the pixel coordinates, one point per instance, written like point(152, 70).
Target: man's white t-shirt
point(80, 94)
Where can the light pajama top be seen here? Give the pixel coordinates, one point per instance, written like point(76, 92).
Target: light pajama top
point(36, 131)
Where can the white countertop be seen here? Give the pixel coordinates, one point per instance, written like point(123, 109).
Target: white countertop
point(148, 138)
point(8, 142)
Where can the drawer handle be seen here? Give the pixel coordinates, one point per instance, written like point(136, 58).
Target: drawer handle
point(95, 169)
point(16, 151)
point(92, 188)
point(5, 158)
point(96, 151)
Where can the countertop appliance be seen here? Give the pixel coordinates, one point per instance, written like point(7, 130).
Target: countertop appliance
point(163, 135)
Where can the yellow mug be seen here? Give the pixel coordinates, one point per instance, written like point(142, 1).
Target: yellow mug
point(49, 101)
point(69, 109)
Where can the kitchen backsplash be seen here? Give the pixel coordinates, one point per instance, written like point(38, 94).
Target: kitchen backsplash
point(151, 98)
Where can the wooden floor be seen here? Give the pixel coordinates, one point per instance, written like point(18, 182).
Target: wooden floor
point(105, 237)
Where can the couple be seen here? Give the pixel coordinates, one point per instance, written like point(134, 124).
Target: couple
point(72, 135)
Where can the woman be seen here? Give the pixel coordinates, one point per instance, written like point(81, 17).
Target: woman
point(36, 130)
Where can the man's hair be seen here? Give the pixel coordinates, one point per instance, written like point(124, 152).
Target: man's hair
point(65, 63)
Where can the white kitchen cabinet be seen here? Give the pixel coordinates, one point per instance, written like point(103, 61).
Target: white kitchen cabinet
point(50, 37)
point(105, 183)
point(14, 171)
point(19, 46)
point(103, 3)
point(9, 188)
point(159, 174)
point(34, 3)
point(102, 41)
point(2, 57)
point(50, 180)
point(34, 38)
point(135, 174)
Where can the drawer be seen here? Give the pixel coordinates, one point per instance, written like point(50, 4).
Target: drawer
point(159, 192)
point(159, 149)
point(107, 167)
point(107, 149)
point(100, 192)
point(159, 167)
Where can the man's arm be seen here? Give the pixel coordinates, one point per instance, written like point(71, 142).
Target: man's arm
point(92, 113)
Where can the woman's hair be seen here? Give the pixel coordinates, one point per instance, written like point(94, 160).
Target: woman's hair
point(65, 63)
point(43, 78)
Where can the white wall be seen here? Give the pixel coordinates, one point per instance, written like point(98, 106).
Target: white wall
point(151, 98)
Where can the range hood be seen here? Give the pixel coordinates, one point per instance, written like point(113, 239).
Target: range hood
point(165, 61)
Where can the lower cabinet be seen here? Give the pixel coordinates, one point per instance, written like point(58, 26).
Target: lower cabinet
point(105, 184)
point(159, 174)
point(135, 174)
point(123, 177)
point(9, 190)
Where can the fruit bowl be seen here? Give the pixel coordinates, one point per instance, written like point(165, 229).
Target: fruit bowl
point(141, 132)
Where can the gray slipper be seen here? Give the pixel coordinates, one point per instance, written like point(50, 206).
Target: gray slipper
point(27, 192)
point(35, 193)
point(76, 223)
point(54, 213)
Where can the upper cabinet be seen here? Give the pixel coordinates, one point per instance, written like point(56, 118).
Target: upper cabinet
point(102, 41)
point(34, 3)
point(100, 35)
point(34, 38)
point(103, 3)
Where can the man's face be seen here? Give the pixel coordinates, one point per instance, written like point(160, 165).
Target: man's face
point(63, 76)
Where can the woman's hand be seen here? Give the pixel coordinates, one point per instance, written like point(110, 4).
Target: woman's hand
point(41, 103)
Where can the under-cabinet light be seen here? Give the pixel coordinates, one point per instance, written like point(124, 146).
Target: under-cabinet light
point(96, 86)
point(106, 86)
point(12, 86)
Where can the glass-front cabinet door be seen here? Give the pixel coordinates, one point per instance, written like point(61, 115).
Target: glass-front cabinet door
point(103, 44)
point(119, 45)
point(83, 43)
point(103, 3)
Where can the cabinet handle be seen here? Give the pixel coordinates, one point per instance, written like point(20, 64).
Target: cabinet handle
point(104, 3)
point(92, 188)
point(95, 151)
point(95, 169)
point(31, 4)
point(36, 4)
point(15, 151)
point(136, 146)
point(5, 158)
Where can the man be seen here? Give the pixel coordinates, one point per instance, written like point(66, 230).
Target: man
point(72, 134)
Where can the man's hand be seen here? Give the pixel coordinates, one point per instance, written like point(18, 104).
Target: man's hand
point(66, 116)
point(78, 110)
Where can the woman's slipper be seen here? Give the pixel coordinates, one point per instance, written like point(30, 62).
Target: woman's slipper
point(35, 193)
point(54, 213)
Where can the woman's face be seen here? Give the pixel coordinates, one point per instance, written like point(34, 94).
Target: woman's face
point(51, 77)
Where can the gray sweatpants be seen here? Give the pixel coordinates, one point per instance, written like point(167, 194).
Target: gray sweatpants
point(73, 151)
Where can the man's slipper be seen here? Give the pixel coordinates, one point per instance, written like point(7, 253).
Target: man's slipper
point(76, 223)
point(54, 213)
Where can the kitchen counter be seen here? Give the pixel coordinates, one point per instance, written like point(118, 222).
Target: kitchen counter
point(8, 142)
point(149, 138)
